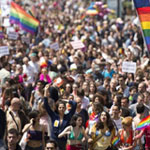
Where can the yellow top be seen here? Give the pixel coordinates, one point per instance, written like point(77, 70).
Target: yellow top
point(104, 141)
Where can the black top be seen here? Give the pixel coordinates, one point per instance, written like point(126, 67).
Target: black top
point(2, 123)
point(17, 147)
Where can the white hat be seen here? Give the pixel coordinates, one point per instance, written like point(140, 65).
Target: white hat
point(73, 67)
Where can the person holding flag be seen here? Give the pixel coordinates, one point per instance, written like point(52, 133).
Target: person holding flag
point(144, 126)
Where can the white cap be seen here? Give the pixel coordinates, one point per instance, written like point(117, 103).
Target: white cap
point(73, 67)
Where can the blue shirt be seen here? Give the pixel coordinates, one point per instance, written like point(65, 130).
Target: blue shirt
point(105, 73)
point(56, 127)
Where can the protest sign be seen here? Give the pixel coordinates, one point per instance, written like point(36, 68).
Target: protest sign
point(55, 46)
point(4, 50)
point(25, 39)
point(129, 67)
point(77, 44)
point(13, 35)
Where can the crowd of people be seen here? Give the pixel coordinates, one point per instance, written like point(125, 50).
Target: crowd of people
point(74, 99)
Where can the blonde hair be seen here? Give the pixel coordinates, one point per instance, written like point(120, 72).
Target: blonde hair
point(127, 121)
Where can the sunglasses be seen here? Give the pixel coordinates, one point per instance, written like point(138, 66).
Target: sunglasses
point(50, 148)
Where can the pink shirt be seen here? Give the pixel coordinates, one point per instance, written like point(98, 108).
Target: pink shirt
point(48, 79)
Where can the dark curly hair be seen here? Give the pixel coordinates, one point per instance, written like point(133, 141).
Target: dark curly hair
point(109, 122)
point(74, 119)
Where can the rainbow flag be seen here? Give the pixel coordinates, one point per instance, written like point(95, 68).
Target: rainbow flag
point(115, 140)
point(92, 10)
point(23, 19)
point(143, 11)
point(144, 123)
point(1, 33)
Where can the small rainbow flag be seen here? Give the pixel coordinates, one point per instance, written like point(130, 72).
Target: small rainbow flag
point(115, 140)
point(23, 19)
point(144, 123)
point(1, 33)
point(143, 10)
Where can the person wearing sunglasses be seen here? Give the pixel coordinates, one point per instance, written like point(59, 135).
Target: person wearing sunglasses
point(51, 145)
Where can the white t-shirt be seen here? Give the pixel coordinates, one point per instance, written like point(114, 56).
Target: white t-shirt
point(35, 66)
point(30, 72)
point(118, 123)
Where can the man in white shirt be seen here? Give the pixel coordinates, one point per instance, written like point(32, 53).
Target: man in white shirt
point(116, 116)
point(33, 63)
point(4, 72)
point(28, 69)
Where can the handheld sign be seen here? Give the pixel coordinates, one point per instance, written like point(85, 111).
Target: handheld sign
point(77, 44)
point(25, 39)
point(55, 46)
point(4, 50)
point(13, 35)
point(129, 67)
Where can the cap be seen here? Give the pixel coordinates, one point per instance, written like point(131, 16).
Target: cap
point(73, 67)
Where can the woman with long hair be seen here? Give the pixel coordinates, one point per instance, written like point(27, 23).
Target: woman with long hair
point(59, 119)
point(97, 108)
point(36, 95)
point(102, 133)
point(75, 133)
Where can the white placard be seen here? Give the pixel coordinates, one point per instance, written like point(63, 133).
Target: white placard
point(10, 29)
point(129, 67)
point(77, 44)
point(13, 35)
point(25, 39)
point(6, 22)
point(55, 46)
point(4, 50)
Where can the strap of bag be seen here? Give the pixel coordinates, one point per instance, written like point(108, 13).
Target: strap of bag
point(14, 120)
point(98, 138)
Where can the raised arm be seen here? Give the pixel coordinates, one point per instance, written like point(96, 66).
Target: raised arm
point(52, 114)
point(65, 132)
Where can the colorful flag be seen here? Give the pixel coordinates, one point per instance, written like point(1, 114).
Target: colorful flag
point(1, 33)
point(115, 140)
point(58, 82)
point(143, 10)
point(144, 123)
point(23, 19)
point(92, 10)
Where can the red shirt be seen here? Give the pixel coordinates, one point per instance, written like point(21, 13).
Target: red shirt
point(147, 136)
